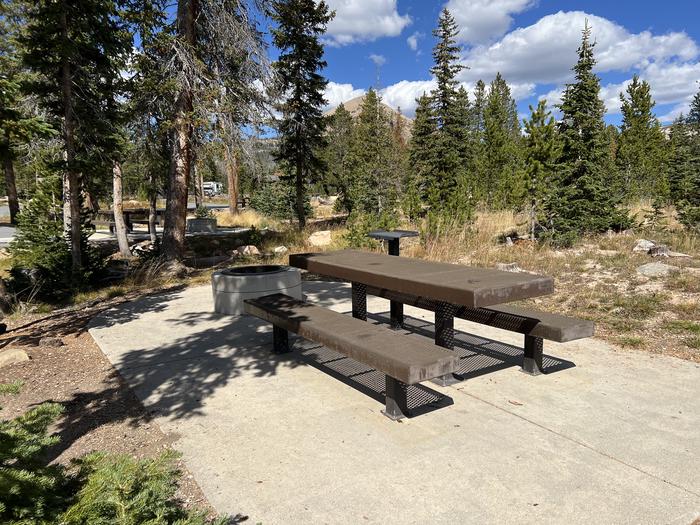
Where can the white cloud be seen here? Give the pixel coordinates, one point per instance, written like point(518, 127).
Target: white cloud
point(403, 94)
point(544, 52)
point(364, 21)
point(483, 20)
point(379, 60)
point(336, 93)
point(412, 40)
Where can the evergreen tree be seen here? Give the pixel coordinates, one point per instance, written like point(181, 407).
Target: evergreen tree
point(421, 153)
point(19, 124)
point(542, 150)
point(446, 143)
point(583, 201)
point(689, 201)
point(500, 167)
point(77, 50)
point(301, 23)
point(642, 145)
point(373, 174)
point(337, 155)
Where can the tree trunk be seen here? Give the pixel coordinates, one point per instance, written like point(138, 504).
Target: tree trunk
point(176, 201)
point(118, 208)
point(301, 212)
point(11, 185)
point(71, 178)
point(232, 180)
point(152, 212)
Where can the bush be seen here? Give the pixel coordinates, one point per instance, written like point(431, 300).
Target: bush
point(33, 492)
point(102, 489)
point(360, 224)
point(202, 212)
point(278, 200)
point(120, 489)
point(41, 258)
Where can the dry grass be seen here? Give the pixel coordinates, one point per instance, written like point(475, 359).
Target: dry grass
point(245, 218)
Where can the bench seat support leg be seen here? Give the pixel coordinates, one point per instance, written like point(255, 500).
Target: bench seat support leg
point(532, 360)
point(280, 340)
point(445, 336)
point(359, 301)
point(396, 315)
point(396, 399)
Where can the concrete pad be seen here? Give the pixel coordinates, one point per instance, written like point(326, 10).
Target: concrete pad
point(606, 437)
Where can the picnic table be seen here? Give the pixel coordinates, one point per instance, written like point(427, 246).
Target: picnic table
point(450, 290)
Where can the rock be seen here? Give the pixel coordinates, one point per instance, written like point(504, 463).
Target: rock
point(142, 248)
point(508, 267)
point(249, 250)
point(509, 241)
point(10, 356)
point(280, 250)
point(320, 238)
point(51, 341)
point(660, 250)
point(656, 269)
point(643, 246)
point(173, 270)
point(677, 254)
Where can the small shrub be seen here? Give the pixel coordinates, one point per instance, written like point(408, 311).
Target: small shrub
point(360, 224)
point(40, 251)
point(202, 212)
point(692, 342)
point(683, 326)
point(278, 200)
point(120, 489)
point(630, 341)
point(32, 492)
point(11, 388)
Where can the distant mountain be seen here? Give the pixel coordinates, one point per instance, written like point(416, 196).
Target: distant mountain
point(354, 105)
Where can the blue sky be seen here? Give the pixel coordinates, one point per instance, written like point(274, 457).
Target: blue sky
point(532, 43)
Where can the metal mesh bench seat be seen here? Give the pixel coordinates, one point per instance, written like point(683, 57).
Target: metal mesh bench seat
point(535, 325)
point(404, 360)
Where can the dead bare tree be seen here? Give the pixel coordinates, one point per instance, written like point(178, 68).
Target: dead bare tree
point(217, 56)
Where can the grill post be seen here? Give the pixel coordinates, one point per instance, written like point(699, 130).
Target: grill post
point(396, 399)
point(532, 359)
point(280, 340)
point(359, 301)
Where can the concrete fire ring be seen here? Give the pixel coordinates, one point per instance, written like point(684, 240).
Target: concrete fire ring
point(232, 286)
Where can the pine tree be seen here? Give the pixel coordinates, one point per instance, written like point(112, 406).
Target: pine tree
point(689, 167)
point(301, 23)
point(542, 150)
point(583, 201)
point(446, 144)
point(502, 186)
point(19, 123)
point(421, 153)
point(642, 145)
point(77, 50)
point(337, 155)
point(374, 179)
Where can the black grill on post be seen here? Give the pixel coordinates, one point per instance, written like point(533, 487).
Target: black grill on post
point(393, 238)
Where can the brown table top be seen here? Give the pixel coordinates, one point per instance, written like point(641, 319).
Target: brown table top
point(452, 283)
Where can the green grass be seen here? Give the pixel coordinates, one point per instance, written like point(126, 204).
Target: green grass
point(630, 341)
point(683, 326)
point(641, 306)
point(11, 388)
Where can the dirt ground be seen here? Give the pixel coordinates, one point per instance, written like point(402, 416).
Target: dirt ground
point(101, 412)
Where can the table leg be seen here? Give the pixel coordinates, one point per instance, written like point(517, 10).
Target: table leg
point(359, 301)
point(445, 336)
point(394, 248)
point(280, 340)
point(396, 315)
point(396, 399)
point(532, 360)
